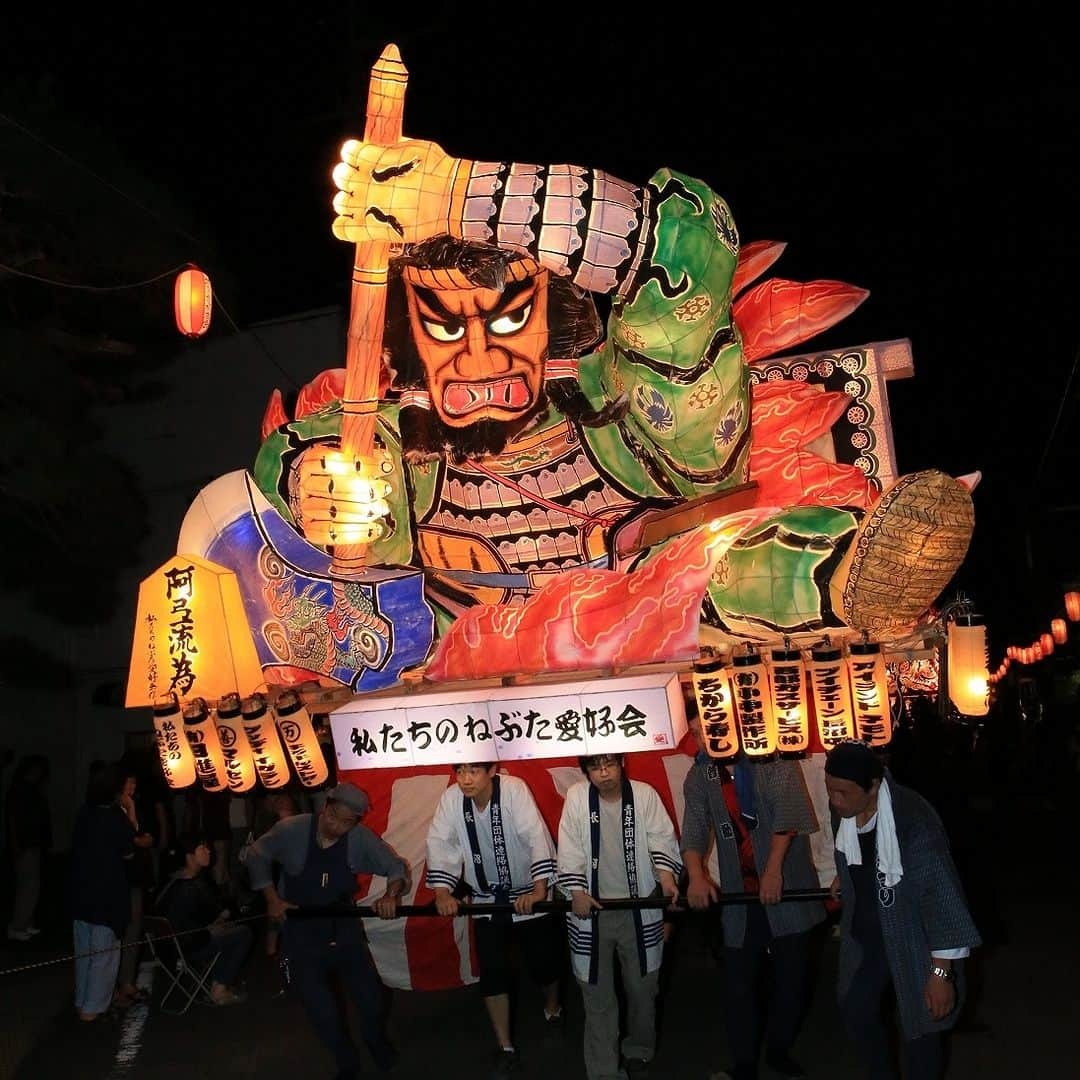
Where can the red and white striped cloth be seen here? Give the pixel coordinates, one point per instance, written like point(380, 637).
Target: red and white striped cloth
point(436, 954)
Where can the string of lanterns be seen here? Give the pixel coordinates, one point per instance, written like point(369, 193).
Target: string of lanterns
point(236, 743)
point(1044, 645)
point(764, 705)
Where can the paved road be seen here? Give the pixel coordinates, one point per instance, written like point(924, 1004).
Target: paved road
point(1022, 1023)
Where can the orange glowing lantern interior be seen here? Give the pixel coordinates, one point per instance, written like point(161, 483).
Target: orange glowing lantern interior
point(193, 302)
point(1072, 606)
point(968, 674)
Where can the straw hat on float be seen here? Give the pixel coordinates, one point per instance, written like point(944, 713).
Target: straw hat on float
point(906, 551)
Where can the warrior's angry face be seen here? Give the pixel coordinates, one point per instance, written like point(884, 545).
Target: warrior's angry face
point(483, 350)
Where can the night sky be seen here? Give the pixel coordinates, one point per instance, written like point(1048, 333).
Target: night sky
point(927, 160)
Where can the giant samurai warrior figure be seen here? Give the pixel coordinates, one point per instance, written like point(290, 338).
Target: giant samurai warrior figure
point(516, 453)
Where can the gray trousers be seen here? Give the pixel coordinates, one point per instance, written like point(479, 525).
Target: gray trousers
point(616, 934)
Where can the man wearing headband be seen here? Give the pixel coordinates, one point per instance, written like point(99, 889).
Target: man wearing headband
point(905, 926)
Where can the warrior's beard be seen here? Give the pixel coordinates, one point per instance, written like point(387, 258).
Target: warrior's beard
point(424, 435)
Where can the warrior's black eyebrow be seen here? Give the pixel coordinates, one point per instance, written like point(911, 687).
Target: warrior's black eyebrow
point(512, 291)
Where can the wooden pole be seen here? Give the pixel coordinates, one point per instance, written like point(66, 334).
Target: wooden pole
point(367, 312)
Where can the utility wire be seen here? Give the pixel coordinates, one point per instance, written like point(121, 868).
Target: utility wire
point(100, 179)
point(93, 288)
point(293, 381)
point(172, 226)
point(258, 341)
point(118, 947)
point(1057, 419)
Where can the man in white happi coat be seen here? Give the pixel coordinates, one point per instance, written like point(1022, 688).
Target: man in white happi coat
point(488, 831)
point(616, 840)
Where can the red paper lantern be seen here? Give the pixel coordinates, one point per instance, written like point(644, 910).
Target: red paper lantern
point(193, 302)
point(1059, 630)
point(1072, 605)
point(1047, 643)
point(1037, 650)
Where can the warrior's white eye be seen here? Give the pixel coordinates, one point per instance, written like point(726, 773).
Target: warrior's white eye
point(450, 331)
point(510, 323)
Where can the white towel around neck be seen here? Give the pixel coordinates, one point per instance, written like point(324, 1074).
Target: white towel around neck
point(888, 850)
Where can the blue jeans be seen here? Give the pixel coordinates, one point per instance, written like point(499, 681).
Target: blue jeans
point(95, 975)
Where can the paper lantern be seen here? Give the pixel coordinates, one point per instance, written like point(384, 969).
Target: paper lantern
point(1060, 631)
point(870, 693)
point(1013, 651)
point(235, 749)
point(1047, 643)
point(262, 736)
point(830, 688)
point(193, 302)
point(1072, 606)
point(753, 706)
point(202, 737)
point(298, 734)
point(967, 662)
point(1037, 650)
point(1027, 656)
point(177, 761)
point(787, 679)
point(191, 635)
point(712, 690)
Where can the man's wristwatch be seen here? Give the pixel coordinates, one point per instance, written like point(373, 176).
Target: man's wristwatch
point(943, 973)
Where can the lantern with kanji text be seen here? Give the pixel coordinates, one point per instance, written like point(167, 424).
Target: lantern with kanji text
point(298, 734)
point(712, 692)
point(202, 736)
point(753, 706)
point(830, 687)
point(262, 737)
point(870, 693)
point(787, 679)
point(177, 761)
point(235, 748)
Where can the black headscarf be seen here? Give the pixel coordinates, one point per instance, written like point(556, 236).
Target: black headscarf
point(854, 760)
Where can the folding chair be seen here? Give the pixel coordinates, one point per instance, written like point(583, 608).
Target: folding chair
point(191, 982)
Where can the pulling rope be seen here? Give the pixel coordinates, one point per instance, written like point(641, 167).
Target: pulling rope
point(366, 911)
point(627, 903)
point(119, 947)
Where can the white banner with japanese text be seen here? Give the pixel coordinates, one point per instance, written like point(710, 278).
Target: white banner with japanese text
point(611, 715)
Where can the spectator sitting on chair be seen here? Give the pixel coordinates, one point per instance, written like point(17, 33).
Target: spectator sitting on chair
point(192, 904)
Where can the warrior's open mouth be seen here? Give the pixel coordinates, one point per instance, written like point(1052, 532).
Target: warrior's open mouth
point(462, 398)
